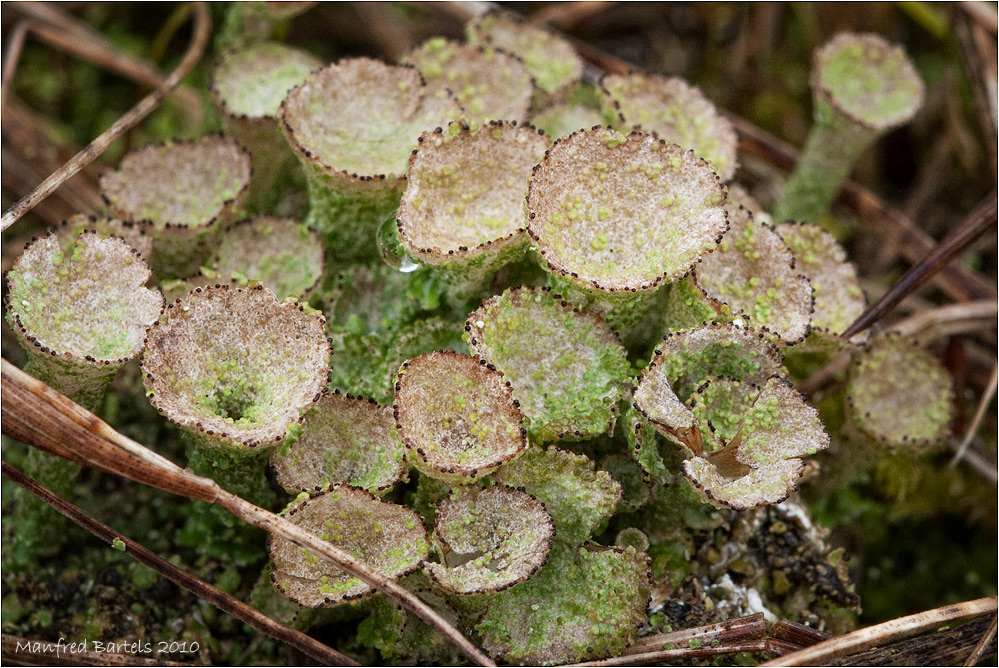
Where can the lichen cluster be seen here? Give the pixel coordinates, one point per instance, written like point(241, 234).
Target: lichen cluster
point(564, 359)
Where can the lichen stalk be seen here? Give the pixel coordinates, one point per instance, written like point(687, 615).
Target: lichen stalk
point(248, 87)
point(352, 125)
point(862, 87)
point(80, 310)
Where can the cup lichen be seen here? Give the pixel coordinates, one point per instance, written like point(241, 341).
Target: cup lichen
point(187, 189)
point(862, 86)
point(457, 416)
point(351, 124)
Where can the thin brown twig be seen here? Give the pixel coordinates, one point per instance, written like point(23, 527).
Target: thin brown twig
point(949, 320)
point(799, 634)
point(27, 652)
point(565, 15)
point(14, 46)
point(979, 649)
point(882, 634)
point(980, 220)
point(202, 32)
point(740, 629)
point(38, 415)
point(200, 588)
point(678, 653)
point(983, 404)
point(37, 152)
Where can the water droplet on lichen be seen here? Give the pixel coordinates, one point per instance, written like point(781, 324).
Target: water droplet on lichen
point(391, 250)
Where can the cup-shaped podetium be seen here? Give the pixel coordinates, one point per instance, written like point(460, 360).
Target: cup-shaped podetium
point(387, 537)
point(721, 392)
point(247, 23)
point(463, 209)
point(345, 439)
point(282, 253)
point(753, 273)
point(839, 299)
point(489, 539)
point(248, 87)
point(353, 125)
point(567, 366)
point(617, 214)
point(81, 310)
point(457, 416)
point(673, 110)
point(186, 189)
point(899, 395)
point(862, 87)
point(490, 84)
point(135, 234)
point(235, 367)
point(551, 60)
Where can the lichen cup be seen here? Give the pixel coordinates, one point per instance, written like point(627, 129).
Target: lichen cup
point(187, 189)
point(673, 110)
point(352, 125)
point(80, 309)
point(248, 87)
point(236, 370)
point(862, 87)
point(615, 216)
point(489, 83)
point(463, 210)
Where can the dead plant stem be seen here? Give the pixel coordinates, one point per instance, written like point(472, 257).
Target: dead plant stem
point(202, 32)
point(200, 588)
point(883, 634)
point(38, 415)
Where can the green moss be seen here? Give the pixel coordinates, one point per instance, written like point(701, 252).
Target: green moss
point(578, 497)
point(584, 604)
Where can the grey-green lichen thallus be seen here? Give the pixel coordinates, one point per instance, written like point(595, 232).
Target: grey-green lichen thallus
point(671, 109)
point(281, 253)
point(463, 209)
point(551, 60)
point(489, 83)
point(862, 87)
point(235, 367)
point(187, 189)
point(567, 366)
point(352, 125)
point(753, 274)
point(614, 216)
point(721, 392)
point(387, 537)
point(457, 416)
point(345, 439)
point(80, 309)
point(489, 539)
point(248, 87)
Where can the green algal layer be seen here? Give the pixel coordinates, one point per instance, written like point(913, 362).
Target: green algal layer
point(862, 87)
point(567, 367)
point(586, 603)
